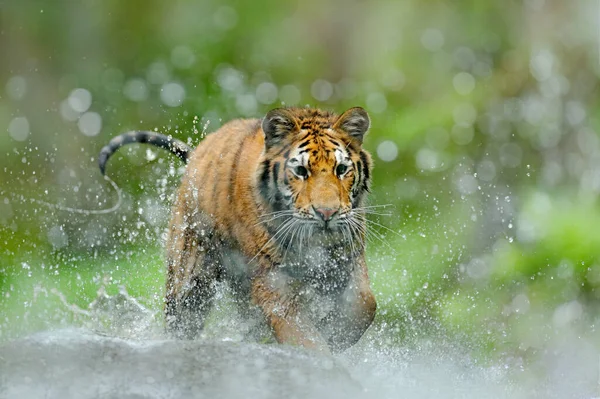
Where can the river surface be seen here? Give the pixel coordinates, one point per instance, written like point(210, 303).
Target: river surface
point(79, 363)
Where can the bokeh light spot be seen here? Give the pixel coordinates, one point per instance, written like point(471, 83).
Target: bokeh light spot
point(90, 123)
point(172, 94)
point(266, 93)
point(136, 89)
point(321, 90)
point(80, 100)
point(387, 151)
point(18, 128)
point(16, 87)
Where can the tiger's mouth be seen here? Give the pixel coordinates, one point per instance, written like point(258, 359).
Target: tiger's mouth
point(316, 223)
point(330, 227)
point(319, 224)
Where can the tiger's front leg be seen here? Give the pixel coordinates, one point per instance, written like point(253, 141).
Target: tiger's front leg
point(279, 302)
point(353, 312)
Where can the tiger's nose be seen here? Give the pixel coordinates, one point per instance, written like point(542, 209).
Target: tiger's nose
point(325, 213)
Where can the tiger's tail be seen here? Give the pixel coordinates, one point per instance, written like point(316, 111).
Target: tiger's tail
point(175, 146)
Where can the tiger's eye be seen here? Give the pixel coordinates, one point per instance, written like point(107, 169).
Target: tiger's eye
point(301, 171)
point(341, 169)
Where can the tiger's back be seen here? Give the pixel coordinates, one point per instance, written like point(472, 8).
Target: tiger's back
point(215, 203)
point(219, 169)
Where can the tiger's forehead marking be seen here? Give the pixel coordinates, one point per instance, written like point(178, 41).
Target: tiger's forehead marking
point(298, 156)
point(315, 124)
point(319, 148)
point(342, 157)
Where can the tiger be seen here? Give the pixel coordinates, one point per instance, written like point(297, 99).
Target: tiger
point(275, 208)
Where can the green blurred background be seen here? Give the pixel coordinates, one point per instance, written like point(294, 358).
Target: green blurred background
point(485, 126)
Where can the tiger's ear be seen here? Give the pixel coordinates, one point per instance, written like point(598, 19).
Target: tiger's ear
point(277, 124)
point(355, 122)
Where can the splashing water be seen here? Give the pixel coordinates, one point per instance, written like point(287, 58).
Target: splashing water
point(121, 353)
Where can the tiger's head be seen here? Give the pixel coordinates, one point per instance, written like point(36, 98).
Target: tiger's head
point(314, 171)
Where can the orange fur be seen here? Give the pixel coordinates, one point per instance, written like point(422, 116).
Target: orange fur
point(223, 227)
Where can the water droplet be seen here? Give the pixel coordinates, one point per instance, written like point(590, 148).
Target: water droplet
point(567, 313)
point(57, 237)
point(464, 57)
point(520, 304)
point(387, 151)
point(510, 155)
point(376, 102)
point(462, 135)
point(432, 39)
point(230, 79)
point(90, 123)
point(266, 93)
point(18, 128)
point(182, 57)
point(346, 88)
point(437, 138)
point(150, 155)
point(172, 94)
point(542, 65)
point(80, 100)
point(290, 95)
point(225, 18)
point(464, 114)
point(486, 170)
point(136, 89)
point(16, 87)
point(466, 184)
point(428, 160)
point(575, 112)
point(158, 73)
point(321, 90)
point(246, 104)
point(464, 83)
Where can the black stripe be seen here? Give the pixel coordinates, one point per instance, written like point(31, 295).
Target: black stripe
point(307, 134)
point(359, 171)
point(275, 175)
point(264, 179)
point(365, 169)
point(304, 144)
point(286, 181)
point(280, 151)
point(356, 190)
point(363, 157)
point(277, 199)
point(177, 147)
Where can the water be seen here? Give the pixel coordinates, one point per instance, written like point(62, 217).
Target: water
point(124, 356)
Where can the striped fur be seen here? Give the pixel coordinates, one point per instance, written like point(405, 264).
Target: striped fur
point(252, 210)
point(175, 146)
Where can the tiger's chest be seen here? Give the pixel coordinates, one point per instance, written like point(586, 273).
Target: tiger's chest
point(325, 271)
point(315, 298)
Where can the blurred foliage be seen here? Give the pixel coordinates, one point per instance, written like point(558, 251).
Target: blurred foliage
point(485, 135)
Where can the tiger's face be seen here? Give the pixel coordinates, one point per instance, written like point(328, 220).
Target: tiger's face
point(314, 172)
